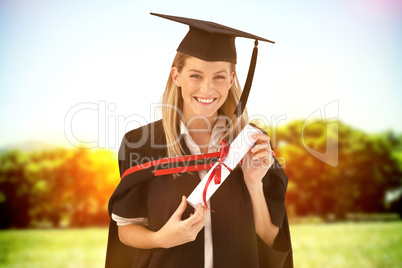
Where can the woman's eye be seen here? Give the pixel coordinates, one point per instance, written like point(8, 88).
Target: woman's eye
point(195, 76)
point(220, 77)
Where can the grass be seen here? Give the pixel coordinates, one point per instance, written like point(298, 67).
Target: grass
point(53, 248)
point(314, 245)
point(348, 245)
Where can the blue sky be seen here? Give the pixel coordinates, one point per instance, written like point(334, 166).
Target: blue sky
point(95, 67)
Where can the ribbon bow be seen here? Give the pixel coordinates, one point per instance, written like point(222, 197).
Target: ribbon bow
point(217, 171)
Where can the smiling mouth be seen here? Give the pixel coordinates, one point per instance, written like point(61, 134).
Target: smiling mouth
point(205, 100)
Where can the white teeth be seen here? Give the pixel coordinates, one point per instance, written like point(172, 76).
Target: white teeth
point(204, 100)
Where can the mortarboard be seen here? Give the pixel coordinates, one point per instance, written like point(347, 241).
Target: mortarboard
point(215, 42)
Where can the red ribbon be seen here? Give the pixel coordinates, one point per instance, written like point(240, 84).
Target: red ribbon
point(216, 172)
point(163, 161)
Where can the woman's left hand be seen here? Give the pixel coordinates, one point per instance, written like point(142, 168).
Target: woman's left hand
point(258, 160)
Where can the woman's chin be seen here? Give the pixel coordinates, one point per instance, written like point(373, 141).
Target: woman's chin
point(206, 114)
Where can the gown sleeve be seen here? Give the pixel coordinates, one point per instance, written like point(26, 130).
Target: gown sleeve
point(275, 183)
point(127, 201)
point(280, 254)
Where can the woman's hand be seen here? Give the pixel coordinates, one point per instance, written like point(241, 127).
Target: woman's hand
point(258, 160)
point(176, 231)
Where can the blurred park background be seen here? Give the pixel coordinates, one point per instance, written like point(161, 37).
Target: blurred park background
point(76, 75)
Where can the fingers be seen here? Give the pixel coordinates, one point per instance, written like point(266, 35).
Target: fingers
point(261, 137)
point(182, 207)
point(197, 217)
point(262, 148)
point(262, 141)
point(262, 154)
point(176, 231)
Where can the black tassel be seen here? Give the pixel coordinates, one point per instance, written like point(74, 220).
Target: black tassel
point(247, 86)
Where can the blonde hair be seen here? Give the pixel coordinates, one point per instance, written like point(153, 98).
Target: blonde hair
point(172, 107)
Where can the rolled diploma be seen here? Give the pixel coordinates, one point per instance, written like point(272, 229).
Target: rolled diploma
point(237, 150)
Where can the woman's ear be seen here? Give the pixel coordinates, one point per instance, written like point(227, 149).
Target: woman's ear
point(232, 78)
point(175, 76)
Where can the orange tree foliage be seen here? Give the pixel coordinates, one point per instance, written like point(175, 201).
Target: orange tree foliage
point(68, 187)
point(350, 171)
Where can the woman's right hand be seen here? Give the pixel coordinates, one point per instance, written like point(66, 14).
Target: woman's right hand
point(177, 231)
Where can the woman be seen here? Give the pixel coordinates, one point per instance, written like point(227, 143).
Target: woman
point(152, 225)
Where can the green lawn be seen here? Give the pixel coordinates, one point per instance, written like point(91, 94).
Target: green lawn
point(321, 245)
point(53, 248)
point(348, 245)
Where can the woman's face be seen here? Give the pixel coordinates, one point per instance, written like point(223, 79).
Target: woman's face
point(204, 86)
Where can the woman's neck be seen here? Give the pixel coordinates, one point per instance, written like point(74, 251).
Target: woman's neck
point(200, 129)
point(200, 123)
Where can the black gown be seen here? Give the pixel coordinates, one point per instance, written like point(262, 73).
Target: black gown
point(235, 242)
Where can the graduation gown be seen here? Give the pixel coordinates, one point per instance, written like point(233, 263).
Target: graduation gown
point(235, 242)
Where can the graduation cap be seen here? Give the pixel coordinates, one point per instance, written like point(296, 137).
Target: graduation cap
point(211, 41)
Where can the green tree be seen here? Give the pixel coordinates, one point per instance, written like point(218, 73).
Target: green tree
point(14, 190)
point(364, 169)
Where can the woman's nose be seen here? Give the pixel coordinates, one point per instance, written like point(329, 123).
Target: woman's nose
point(206, 87)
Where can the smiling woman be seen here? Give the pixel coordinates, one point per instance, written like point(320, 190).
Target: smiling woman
point(204, 86)
point(202, 107)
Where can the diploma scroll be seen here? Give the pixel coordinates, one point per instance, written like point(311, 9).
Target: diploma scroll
point(237, 150)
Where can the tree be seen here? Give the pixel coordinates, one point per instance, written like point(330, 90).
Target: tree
point(365, 168)
point(69, 187)
point(14, 190)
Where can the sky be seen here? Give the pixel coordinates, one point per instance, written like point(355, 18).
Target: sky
point(85, 72)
